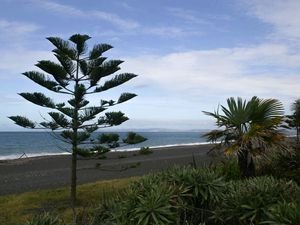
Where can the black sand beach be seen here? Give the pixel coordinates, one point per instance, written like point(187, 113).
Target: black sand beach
point(30, 174)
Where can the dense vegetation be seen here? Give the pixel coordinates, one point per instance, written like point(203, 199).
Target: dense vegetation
point(212, 195)
point(215, 195)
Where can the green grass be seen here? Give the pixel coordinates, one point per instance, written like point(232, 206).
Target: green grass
point(20, 207)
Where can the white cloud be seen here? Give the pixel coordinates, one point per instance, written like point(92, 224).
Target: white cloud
point(130, 27)
point(97, 14)
point(15, 28)
point(187, 15)
point(171, 32)
point(282, 14)
point(19, 61)
point(222, 73)
point(15, 34)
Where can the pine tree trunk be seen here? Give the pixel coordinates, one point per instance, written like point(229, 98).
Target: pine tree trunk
point(73, 179)
point(74, 149)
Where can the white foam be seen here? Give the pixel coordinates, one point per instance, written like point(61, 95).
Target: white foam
point(31, 155)
point(165, 146)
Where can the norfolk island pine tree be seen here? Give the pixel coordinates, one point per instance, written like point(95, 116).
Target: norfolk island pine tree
point(293, 121)
point(78, 75)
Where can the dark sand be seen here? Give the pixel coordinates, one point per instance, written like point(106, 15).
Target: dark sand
point(30, 174)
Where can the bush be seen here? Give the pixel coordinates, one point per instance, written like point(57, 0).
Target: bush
point(147, 202)
point(249, 201)
point(134, 138)
point(171, 197)
point(283, 213)
point(282, 164)
point(205, 185)
point(104, 214)
point(229, 169)
point(202, 191)
point(145, 151)
point(44, 219)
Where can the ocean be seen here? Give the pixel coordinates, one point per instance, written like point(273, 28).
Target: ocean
point(14, 144)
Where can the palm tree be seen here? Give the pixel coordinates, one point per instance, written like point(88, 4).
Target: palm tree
point(249, 127)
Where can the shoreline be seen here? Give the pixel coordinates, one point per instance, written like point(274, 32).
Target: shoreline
point(46, 172)
point(46, 154)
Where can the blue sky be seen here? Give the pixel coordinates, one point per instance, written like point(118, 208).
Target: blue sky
point(190, 55)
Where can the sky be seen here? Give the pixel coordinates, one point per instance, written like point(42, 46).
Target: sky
point(190, 55)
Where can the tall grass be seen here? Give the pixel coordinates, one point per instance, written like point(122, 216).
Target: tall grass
point(15, 209)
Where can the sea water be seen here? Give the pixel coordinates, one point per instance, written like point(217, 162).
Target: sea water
point(29, 144)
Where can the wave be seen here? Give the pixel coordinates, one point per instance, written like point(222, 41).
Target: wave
point(164, 146)
point(31, 155)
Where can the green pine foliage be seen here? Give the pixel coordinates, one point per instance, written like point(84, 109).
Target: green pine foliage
point(134, 138)
point(79, 73)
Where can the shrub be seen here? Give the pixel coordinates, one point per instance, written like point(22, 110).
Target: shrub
point(249, 201)
point(204, 191)
point(282, 164)
point(283, 213)
point(205, 184)
point(147, 202)
point(122, 156)
point(134, 138)
point(145, 151)
point(229, 169)
point(44, 219)
point(104, 213)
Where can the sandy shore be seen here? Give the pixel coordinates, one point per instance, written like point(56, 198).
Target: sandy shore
point(22, 175)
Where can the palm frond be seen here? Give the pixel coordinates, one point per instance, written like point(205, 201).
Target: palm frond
point(214, 135)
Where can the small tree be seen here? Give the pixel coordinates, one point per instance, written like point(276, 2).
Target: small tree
point(77, 75)
point(248, 129)
point(293, 120)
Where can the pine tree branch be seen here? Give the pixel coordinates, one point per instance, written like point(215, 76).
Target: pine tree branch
point(62, 140)
point(114, 82)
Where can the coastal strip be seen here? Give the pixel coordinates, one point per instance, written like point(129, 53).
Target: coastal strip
point(45, 172)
